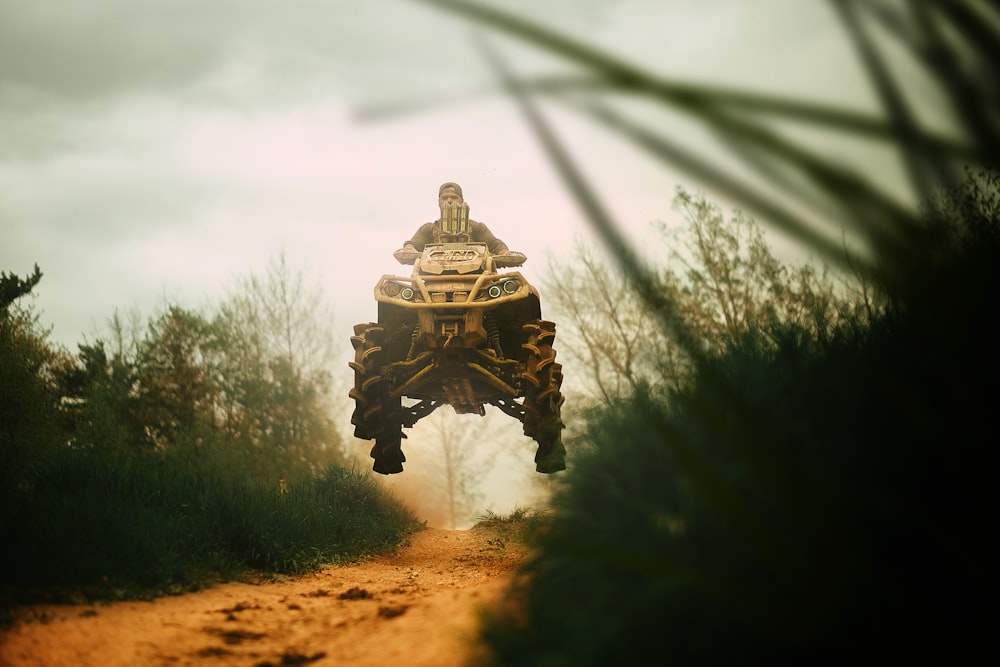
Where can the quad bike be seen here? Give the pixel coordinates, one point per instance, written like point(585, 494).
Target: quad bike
point(457, 331)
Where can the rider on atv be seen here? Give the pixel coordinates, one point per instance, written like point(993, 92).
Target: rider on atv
point(459, 332)
point(450, 196)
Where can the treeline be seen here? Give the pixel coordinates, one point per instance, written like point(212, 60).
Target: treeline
point(723, 282)
point(815, 489)
point(170, 451)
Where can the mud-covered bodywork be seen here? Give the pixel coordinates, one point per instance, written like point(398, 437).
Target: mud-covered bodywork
point(459, 331)
point(462, 324)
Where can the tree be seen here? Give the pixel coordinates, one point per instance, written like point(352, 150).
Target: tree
point(30, 418)
point(731, 282)
point(288, 319)
point(176, 390)
point(250, 377)
point(274, 357)
point(99, 394)
point(724, 282)
point(606, 332)
point(13, 287)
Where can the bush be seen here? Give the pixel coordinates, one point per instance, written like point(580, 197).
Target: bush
point(805, 503)
point(120, 524)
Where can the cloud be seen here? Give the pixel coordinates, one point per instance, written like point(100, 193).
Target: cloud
point(84, 51)
point(163, 146)
point(61, 52)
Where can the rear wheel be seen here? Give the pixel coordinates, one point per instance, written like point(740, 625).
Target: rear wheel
point(543, 398)
point(367, 367)
point(376, 415)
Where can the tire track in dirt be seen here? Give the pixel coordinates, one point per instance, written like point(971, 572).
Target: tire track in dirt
point(414, 607)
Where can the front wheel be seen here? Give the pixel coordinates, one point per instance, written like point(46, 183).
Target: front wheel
point(376, 415)
point(367, 365)
point(388, 453)
point(543, 398)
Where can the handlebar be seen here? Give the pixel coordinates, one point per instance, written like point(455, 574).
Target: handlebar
point(509, 260)
point(406, 256)
point(506, 261)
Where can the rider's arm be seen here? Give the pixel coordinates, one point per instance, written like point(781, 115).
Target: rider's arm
point(482, 233)
point(424, 235)
point(411, 249)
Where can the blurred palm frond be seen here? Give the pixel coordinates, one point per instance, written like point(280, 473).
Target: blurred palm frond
point(953, 44)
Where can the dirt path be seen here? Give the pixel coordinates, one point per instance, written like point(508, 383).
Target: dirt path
point(414, 607)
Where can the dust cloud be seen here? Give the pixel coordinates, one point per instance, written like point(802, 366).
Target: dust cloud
point(503, 479)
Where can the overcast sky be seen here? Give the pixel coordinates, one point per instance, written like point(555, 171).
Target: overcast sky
point(158, 149)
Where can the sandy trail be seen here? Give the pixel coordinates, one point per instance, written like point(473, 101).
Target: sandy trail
point(414, 607)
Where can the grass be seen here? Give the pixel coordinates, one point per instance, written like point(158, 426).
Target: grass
point(94, 526)
point(517, 526)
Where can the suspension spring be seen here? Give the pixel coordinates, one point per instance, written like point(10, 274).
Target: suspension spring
point(492, 333)
point(414, 341)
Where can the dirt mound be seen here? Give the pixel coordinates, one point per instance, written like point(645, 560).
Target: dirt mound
point(416, 606)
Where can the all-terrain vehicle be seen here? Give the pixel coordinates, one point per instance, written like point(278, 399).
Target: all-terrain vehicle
point(457, 331)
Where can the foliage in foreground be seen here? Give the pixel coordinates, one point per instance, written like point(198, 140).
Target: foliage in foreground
point(162, 462)
point(135, 525)
point(814, 502)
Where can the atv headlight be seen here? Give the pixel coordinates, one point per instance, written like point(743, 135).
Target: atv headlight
point(511, 286)
point(406, 293)
point(391, 289)
point(494, 291)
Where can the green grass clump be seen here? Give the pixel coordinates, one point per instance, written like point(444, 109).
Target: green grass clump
point(100, 525)
point(517, 516)
point(519, 525)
